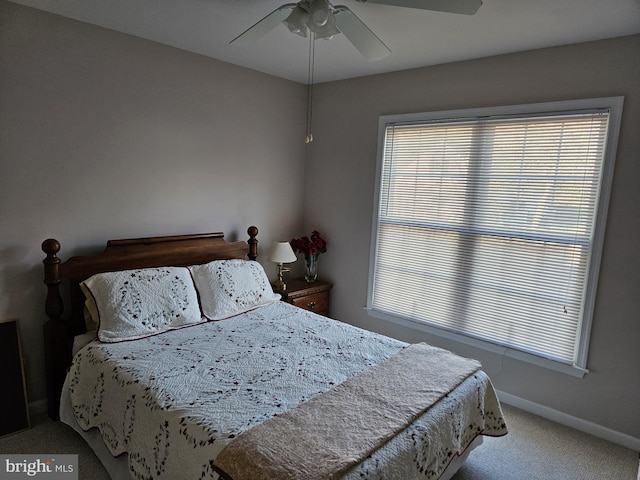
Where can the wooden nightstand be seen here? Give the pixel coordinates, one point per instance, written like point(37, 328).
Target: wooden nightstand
point(310, 296)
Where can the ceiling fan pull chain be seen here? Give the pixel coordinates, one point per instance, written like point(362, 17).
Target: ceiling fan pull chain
point(312, 48)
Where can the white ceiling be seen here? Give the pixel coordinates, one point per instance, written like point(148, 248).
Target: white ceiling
point(416, 37)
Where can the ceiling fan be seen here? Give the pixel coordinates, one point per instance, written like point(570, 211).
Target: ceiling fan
point(325, 20)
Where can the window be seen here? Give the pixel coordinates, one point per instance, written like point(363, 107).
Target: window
point(490, 224)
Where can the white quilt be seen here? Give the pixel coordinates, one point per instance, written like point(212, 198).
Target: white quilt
point(173, 401)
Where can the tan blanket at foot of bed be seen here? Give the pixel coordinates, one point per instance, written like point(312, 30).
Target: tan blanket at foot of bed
point(324, 437)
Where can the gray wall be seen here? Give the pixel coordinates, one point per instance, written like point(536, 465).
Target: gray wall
point(341, 174)
point(104, 135)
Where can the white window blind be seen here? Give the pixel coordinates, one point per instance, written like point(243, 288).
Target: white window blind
point(486, 226)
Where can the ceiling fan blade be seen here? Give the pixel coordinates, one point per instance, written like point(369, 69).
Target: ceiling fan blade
point(365, 41)
point(264, 26)
point(466, 7)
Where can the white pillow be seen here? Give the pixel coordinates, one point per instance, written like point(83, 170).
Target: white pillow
point(90, 311)
point(231, 287)
point(138, 303)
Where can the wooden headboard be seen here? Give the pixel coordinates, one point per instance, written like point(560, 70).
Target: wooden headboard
point(177, 250)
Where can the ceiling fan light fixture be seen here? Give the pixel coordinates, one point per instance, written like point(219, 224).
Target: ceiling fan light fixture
point(319, 14)
point(296, 22)
point(328, 30)
point(321, 21)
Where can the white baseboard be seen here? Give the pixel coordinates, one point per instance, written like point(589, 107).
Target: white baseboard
point(570, 421)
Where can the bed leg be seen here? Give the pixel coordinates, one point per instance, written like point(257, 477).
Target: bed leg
point(56, 353)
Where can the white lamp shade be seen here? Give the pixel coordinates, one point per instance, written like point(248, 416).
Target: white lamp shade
point(281, 252)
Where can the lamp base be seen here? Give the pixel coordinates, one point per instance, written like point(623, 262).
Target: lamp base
point(280, 286)
point(279, 283)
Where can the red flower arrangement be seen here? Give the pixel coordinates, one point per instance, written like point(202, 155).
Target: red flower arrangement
point(309, 246)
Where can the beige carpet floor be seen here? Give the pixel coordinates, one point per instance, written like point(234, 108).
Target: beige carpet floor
point(534, 449)
point(539, 449)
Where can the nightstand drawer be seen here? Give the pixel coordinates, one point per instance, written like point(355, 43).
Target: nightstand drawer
point(310, 296)
point(318, 302)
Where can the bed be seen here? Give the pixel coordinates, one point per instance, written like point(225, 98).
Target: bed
point(177, 360)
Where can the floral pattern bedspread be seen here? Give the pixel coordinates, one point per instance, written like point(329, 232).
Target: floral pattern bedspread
point(174, 401)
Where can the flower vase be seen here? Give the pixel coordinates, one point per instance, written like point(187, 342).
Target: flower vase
point(311, 268)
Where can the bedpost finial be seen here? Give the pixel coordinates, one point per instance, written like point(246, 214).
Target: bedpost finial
point(51, 246)
point(253, 242)
point(53, 305)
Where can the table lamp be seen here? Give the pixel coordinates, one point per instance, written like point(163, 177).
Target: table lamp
point(281, 252)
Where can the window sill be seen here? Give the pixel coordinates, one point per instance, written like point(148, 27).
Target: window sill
point(572, 370)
